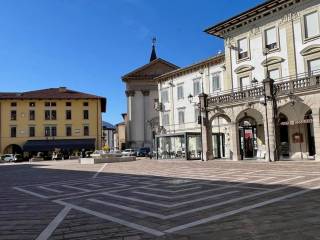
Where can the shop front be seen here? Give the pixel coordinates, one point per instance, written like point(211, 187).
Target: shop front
point(186, 145)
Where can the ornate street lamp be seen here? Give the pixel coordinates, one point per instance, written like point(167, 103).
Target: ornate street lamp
point(270, 96)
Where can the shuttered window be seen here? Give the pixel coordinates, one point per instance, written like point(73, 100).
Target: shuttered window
point(314, 66)
point(165, 119)
point(196, 87)
point(164, 96)
point(180, 92)
point(312, 27)
point(243, 48)
point(181, 116)
point(271, 38)
point(215, 81)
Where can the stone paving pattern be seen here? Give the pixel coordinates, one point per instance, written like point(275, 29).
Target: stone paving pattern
point(160, 188)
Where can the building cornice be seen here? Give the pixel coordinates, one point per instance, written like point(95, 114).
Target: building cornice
point(215, 60)
point(263, 10)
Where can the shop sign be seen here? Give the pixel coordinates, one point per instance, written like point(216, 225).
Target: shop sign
point(304, 121)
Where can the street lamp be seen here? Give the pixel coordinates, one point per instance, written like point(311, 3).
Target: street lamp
point(270, 96)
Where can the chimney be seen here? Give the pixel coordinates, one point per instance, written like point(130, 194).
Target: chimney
point(62, 89)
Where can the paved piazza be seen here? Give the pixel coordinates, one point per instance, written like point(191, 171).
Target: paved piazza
point(160, 200)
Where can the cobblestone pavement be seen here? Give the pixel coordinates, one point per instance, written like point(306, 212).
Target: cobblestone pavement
point(150, 199)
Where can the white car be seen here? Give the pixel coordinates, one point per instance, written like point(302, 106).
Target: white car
point(129, 152)
point(98, 154)
point(115, 153)
point(10, 157)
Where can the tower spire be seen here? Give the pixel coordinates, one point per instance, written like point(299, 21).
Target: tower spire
point(153, 52)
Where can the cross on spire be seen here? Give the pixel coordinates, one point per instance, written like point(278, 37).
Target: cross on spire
point(153, 52)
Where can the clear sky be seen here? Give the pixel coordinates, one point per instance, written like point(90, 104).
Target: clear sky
point(87, 45)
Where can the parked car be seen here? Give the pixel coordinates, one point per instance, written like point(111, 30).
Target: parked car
point(143, 152)
point(11, 157)
point(115, 153)
point(129, 152)
point(98, 154)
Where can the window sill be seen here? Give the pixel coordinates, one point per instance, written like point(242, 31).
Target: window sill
point(273, 50)
point(309, 39)
point(243, 59)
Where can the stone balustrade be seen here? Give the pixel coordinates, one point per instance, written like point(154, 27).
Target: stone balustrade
point(290, 85)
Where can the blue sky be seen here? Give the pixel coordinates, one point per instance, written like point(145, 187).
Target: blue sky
point(87, 45)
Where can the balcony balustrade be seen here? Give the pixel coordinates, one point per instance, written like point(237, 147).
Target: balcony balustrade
point(289, 85)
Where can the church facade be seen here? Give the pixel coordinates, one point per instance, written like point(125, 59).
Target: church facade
point(142, 121)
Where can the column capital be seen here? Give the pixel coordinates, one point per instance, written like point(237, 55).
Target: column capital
point(145, 92)
point(130, 93)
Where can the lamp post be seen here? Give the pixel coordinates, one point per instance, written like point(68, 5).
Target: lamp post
point(270, 96)
point(199, 118)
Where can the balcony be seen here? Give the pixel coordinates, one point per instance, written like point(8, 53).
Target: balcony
point(293, 84)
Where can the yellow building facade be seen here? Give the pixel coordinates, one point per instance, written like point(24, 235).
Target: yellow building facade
point(44, 120)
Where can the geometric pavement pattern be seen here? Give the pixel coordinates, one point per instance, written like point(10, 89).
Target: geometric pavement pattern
point(160, 206)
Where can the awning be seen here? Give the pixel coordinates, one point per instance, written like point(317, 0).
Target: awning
point(65, 144)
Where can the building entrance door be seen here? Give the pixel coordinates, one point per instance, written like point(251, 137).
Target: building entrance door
point(218, 141)
point(248, 138)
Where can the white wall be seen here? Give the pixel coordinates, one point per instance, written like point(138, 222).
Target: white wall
point(255, 34)
point(174, 104)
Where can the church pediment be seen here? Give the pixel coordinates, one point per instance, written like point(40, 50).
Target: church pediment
point(271, 61)
point(243, 68)
point(150, 70)
point(315, 48)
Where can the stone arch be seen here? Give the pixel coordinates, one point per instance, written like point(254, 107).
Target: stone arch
point(251, 112)
point(295, 110)
point(221, 115)
point(250, 127)
point(13, 149)
point(300, 129)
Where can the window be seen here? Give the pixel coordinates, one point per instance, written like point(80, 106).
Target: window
point(164, 96)
point(47, 115)
point(68, 131)
point(32, 131)
point(85, 114)
point(68, 114)
point(50, 114)
point(243, 48)
point(181, 116)
point(68, 104)
point(180, 92)
point(274, 74)
point(311, 25)
point(85, 104)
point(314, 66)
point(196, 87)
point(196, 115)
point(32, 104)
point(165, 119)
point(13, 115)
point(32, 115)
point(50, 104)
point(13, 131)
point(244, 81)
point(271, 38)
point(216, 81)
point(86, 130)
point(13, 104)
point(50, 131)
point(47, 131)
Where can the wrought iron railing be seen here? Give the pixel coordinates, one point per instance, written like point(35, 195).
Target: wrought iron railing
point(283, 86)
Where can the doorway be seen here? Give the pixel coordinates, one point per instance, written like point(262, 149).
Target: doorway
point(218, 142)
point(248, 138)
